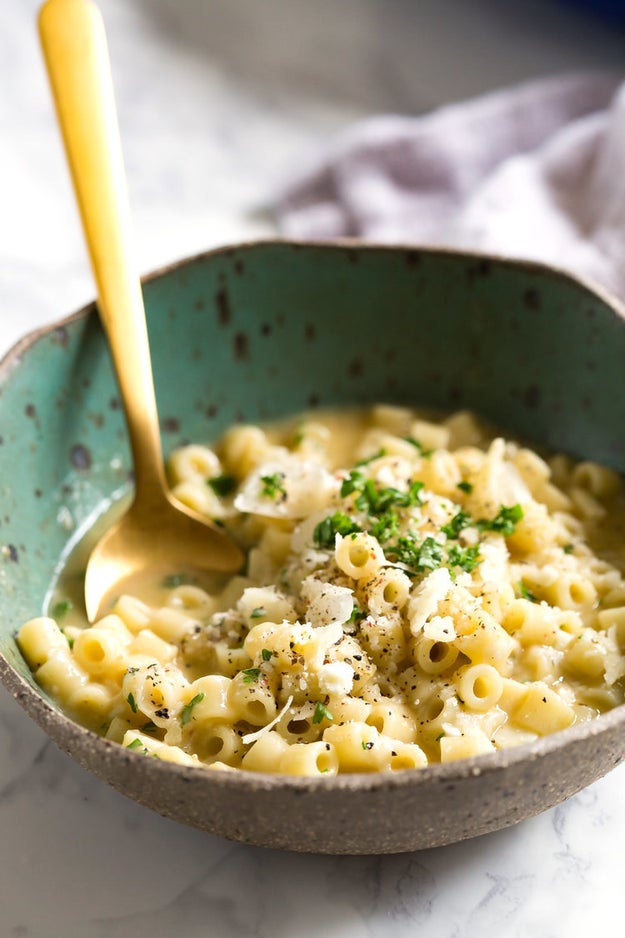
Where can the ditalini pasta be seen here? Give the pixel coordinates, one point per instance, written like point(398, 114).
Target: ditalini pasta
point(415, 591)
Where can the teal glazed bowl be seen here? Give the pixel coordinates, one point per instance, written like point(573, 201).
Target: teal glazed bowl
point(259, 331)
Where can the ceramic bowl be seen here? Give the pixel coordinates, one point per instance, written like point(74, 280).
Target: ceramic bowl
point(263, 330)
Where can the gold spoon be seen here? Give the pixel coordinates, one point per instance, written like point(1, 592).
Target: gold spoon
point(157, 532)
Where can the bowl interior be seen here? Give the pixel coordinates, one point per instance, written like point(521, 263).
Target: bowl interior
point(259, 331)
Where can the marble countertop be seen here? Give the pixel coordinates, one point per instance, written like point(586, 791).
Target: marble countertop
point(218, 103)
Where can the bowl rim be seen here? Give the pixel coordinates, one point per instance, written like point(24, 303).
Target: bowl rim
point(45, 714)
point(587, 283)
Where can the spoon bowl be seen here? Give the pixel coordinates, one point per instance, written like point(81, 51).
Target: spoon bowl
point(157, 532)
point(133, 546)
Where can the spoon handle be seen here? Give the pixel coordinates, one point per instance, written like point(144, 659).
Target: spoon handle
point(76, 54)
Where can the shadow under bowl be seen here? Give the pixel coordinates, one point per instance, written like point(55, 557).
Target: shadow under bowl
point(258, 331)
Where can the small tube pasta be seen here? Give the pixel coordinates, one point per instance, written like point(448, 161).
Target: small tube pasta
point(265, 754)
point(318, 758)
point(251, 700)
point(415, 591)
point(38, 640)
point(480, 687)
point(393, 719)
point(100, 652)
point(387, 592)
point(358, 555)
point(434, 657)
point(60, 676)
point(466, 745)
point(193, 463)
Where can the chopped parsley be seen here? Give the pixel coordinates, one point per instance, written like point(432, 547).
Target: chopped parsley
point(68, 638)
point(526, 593)
point(273, 485)
point(354, 482)
point(321, 713)
point(458, 523)
point(385, 527)
point(504, 522)
point(465, 487)
point(61, 608)
point(467, 558)
point(222, 485)
point(376, 501)
point(187, 710)
point(266, 654)
point(365, 462)
point(418, 557)
point(132, 703)
point(366, 745)
point(430, 555)
point(135, 744)
point(426, 453)
point(568, 548)
point(325, 532)
point(258, 613)
point(250, 675)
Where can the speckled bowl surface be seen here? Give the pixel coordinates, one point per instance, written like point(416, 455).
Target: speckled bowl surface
point(263, 330)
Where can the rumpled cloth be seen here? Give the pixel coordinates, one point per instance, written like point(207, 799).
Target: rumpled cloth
point(536, 171)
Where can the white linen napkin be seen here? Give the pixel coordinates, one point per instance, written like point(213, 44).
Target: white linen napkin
point(536, 171)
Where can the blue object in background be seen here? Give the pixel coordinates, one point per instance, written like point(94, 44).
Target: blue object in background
point(610, 9)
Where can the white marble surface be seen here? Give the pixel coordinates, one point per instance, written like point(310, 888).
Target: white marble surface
point(217, 102)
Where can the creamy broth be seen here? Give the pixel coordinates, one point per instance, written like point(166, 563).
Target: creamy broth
point(417, 589)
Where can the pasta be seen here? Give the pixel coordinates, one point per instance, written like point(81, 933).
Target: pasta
point(415, 591)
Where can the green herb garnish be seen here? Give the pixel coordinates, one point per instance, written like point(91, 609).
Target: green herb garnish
point(365, 462)
point(267, 654)
point(458, 523)
point(526, 593)
point(467, 558)
point(379, 501)
point(68, 638)
point(61, 608)
point(132, 703)
point(568, 548)
point(325, 532)
point(426, 453)
point(250, 675)
point(376, 501)
point(273, 485)
point(135, 744)
point(419, 557)
point(354, 482)
point(222, 485)
point(187, 710)
point(258, 613)
point(504, 522)
point(386, 526)
point(356, 615)
point(430, 555)
point(321, 713)
point(465, 487)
